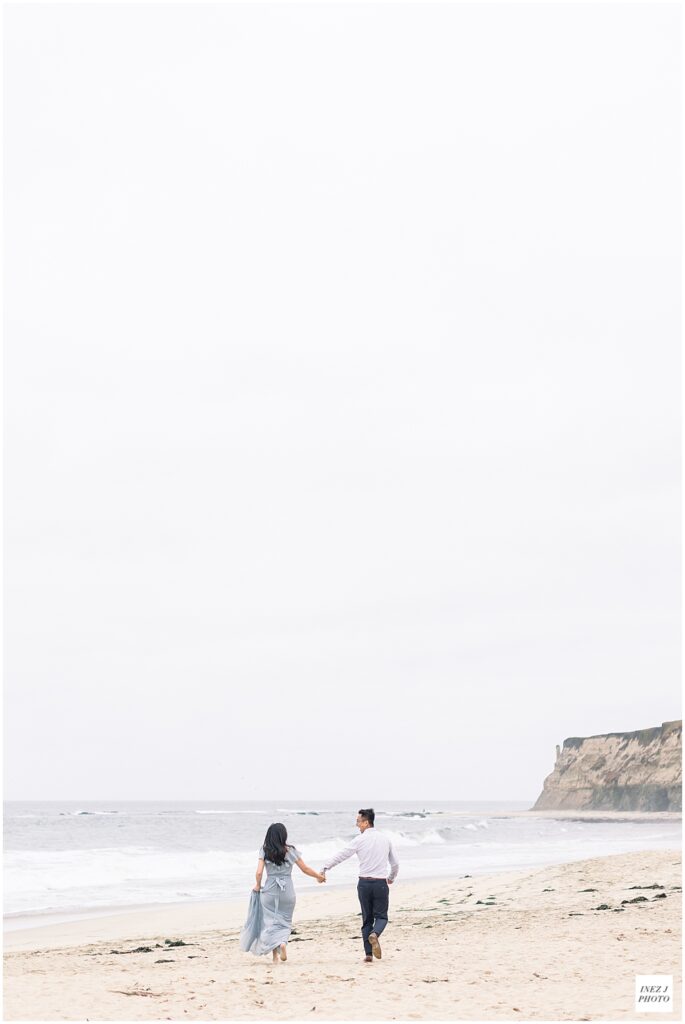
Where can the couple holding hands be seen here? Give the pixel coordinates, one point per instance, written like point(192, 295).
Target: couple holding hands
point(270, 917)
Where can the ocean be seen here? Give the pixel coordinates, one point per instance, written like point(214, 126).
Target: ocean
point(66, 860)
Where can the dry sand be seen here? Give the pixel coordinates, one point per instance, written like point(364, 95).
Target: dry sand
point(535, 948)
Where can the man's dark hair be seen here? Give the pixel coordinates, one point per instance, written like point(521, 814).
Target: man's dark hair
point(367, 814)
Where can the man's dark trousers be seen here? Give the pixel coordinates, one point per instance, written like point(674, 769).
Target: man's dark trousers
point(374, 896)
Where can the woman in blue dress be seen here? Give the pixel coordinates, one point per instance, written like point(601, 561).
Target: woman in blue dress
point(278, 895)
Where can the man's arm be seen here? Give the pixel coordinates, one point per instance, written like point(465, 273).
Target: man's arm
point(338, 858)
point(394, 865)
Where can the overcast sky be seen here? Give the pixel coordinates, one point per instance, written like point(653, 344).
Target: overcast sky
point(342, 395)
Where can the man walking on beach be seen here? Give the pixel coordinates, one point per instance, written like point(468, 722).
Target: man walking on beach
point(375, 852)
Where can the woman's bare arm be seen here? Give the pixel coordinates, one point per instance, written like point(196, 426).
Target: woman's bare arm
point(310, 871)
point(258, 876)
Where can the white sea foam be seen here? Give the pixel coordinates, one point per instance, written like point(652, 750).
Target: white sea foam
point(429, 838)
point(76, 814)
point(323, 849)
point(311, 812)
point(402, 814)
point(263, 812)
point(403, 839)
point(425, 813)
point(164, 853)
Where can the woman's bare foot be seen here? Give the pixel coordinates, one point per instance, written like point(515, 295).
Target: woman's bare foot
point(275, 956)
point(284, 955)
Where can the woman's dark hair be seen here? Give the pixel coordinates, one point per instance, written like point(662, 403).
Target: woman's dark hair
point(367, 814)
point(275, 845)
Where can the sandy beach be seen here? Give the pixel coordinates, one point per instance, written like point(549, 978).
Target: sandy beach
point(528, 945)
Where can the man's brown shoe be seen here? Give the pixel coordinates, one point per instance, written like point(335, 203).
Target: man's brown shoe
point(368, 959)
point(375, 945)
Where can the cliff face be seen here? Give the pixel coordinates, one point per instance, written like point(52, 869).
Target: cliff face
point(620, 771)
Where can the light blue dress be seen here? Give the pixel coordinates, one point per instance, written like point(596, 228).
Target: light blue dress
point(277, 900)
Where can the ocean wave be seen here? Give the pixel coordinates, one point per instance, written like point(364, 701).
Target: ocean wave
point(61, 880)
point(111, 868)
point(76, 814)
point(402, 839)
point(425, 813)
point(399, 838)
point(177, 858)
point(402, 814)
point(307, 811)
point(429, 838)
point(287, 810)
point(198, 810)
point(320, 849)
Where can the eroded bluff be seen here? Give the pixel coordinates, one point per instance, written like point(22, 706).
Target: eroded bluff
point(621, 771)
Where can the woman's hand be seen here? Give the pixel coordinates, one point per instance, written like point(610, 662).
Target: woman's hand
point(321, 878)
point(257, 888)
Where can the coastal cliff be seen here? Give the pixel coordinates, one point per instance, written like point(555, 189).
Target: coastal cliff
point(619, 771)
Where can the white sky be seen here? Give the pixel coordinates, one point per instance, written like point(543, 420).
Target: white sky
point(342, 360)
